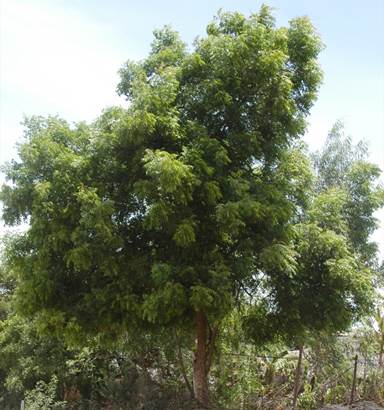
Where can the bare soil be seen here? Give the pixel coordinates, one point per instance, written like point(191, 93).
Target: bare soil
point(361, 405)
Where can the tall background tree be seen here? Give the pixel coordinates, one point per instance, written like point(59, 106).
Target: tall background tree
point(349, 183)
point(324, 281)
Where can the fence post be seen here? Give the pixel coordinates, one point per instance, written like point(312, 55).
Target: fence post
point(297, 377)
point(354, 382)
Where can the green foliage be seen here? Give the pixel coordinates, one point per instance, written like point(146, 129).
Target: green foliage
point(364, 199)
point(348, 182)
point(307, 400)
point(324, 289)
point(194, 176)
point(327, 211)
point(320, 281)
point(335, 159)
point(43, 397)
point(26, 357)
point(198, 197)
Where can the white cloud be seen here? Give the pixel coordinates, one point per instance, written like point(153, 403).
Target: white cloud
point(55, 60)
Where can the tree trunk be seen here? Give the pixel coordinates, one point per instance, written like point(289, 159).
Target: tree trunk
point(297, 378)
point(200, 371)
point(381, 364)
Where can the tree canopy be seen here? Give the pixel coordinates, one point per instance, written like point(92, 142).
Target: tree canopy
point(348, 183)
point(166, 213)
point(155, 214)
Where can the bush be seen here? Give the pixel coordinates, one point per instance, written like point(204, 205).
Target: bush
point(307, 400)
point(43, 397)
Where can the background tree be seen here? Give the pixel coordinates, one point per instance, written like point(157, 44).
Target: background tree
point(323, 290)
point(335, 159)
point(154, 216)
point(321, 283)
point(379, 332)
point(347, 180)
point(320, 266)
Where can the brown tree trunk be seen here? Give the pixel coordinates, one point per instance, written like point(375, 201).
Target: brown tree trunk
point(200, 370)
point(381, 363)
point(297, 378)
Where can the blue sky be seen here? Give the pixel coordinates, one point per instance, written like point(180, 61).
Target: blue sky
point(61, 57)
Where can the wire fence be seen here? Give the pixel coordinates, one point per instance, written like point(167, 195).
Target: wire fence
point(363, 379)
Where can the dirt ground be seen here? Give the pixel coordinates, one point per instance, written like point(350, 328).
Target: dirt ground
point(361, 405)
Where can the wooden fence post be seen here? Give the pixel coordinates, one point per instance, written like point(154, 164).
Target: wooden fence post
point(352, 399)
point(297, 378)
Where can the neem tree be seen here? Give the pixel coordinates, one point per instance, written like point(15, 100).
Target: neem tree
point(157, 215)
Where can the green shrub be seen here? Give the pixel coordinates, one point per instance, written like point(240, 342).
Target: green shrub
point(43, 397)
point(307, 400)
